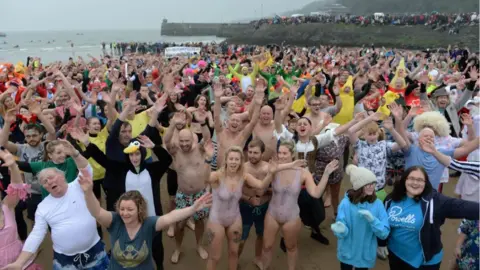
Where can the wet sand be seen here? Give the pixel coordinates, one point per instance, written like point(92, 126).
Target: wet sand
point(312, 255)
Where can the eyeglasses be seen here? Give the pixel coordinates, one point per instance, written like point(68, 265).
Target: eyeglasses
point(416, 180)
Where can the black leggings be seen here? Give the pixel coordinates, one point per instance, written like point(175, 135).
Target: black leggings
point(344, 266)
point(398, 264)
point(157, 251)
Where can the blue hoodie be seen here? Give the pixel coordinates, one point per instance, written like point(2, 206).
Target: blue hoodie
point(357, 246)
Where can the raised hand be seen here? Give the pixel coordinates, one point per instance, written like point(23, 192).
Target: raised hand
point(203, 202)
point(145, 142)
point(218, 90)
point(360, 116)
point(366, 215)
point(331, 167)
point(79, 135)
point(7, 157)
point(85, 180)
point(68, 148)
point(388, 123)
point(34, 107)
point(396, 110)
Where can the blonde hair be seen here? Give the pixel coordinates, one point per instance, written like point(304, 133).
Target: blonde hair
point(290, 145)
point(139, 201)
point(233, 149)
point(50, 148)
point(434, 120)
point(373, 127)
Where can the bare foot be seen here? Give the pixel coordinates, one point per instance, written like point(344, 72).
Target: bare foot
point(171, 231)
point(175, 256)
point(202, 252)
point(258, 263)
point(191, 224)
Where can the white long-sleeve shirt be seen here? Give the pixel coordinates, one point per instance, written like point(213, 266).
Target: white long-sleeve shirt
point(322, 139)
point(74, 230)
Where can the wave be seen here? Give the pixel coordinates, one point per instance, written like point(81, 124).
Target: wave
point(88, 46)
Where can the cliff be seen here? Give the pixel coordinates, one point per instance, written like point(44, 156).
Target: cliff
point(412, 37)
point(204, 29)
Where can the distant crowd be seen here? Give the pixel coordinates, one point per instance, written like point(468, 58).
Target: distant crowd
point(438, 21)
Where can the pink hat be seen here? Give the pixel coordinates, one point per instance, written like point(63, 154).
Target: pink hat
point(188, 72)
point(202, 64)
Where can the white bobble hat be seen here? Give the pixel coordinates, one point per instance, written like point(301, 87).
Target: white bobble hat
point(360, 176)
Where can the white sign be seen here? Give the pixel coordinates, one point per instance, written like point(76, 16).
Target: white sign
point(181, 51)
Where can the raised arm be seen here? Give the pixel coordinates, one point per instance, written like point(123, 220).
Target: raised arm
point(182, 214)
point(353, 130)
point(15, 180)
point(102, 216)
point(217, 107)
point(316, 191)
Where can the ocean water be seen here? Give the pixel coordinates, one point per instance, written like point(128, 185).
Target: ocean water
point(56, 45)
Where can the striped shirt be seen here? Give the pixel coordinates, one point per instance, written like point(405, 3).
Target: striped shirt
point(469, 167)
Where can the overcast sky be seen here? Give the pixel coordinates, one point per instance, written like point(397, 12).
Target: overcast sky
point(47, 15)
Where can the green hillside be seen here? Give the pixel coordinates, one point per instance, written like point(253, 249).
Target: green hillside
point(394, 6)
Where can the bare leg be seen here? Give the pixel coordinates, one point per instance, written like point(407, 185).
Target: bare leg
point(269, 235)
point(327, 198)
point(234, 236)
point(258, 252)
point(200, 228)
point(291, 230)
point(214, 240)
point(335, 193)
point(172, 206)
point(179, 233)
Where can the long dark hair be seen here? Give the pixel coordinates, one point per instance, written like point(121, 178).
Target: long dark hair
point(295, 135)
point(357, 196)
point(400, 191)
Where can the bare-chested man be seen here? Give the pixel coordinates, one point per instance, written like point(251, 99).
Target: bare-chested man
point(189, 161)
point(254, 203)
point(264, 131)
point(235, 133)
point(178, 121)
point(320, 109)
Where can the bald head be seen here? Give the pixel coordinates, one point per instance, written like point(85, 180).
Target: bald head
point(185, 140)
point(266, 115)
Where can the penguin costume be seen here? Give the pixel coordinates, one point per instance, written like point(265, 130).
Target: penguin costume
point(145, 178)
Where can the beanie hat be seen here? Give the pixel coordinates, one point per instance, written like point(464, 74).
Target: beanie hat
point(360, 176)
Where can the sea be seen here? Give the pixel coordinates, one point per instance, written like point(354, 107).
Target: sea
point(57, 45)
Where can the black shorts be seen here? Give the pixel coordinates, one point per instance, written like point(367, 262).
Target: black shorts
point(172, 184)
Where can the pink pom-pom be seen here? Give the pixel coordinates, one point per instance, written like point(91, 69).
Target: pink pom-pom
point(188, 72)
point(202, 64)
point(18, 190)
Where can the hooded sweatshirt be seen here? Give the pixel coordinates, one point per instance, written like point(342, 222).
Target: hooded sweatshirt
point(357, 246)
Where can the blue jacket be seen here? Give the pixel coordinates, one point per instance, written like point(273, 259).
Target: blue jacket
point(436, 208)
point(357, 246)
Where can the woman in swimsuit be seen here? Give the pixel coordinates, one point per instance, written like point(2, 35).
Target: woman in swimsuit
point(200, 114)
point(283, 211)
point(225, 219)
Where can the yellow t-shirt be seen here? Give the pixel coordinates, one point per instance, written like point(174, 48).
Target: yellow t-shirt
point(101, 142)
point(345, 114)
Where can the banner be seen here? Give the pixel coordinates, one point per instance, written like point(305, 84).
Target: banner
point(181, 51)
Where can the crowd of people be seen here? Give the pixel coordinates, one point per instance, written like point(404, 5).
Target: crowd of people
point(245, 136)
point(437, 21)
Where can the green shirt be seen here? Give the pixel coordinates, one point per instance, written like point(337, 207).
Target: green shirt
point(68, 167)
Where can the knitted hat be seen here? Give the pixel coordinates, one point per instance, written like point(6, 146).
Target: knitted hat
point(360, 176)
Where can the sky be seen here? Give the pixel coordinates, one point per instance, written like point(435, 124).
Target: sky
point(51, 15)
